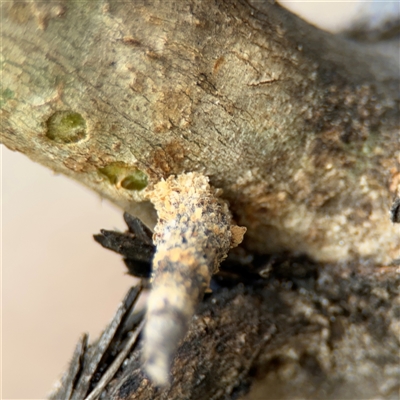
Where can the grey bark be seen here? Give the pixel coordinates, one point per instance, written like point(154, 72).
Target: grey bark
point(297, 126)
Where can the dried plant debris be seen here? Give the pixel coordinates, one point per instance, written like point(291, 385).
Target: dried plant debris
point(64, 389)
point(93, 366)
point(135, 245)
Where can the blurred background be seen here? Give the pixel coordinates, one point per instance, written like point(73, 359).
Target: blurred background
point(56, 281)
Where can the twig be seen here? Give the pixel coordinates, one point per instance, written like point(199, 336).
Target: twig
point(112, 370)
point(193, 235)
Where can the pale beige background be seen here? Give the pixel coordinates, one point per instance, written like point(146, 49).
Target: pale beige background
point(56, 281)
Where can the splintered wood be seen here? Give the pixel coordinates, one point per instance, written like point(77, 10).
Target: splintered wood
point(193, 235)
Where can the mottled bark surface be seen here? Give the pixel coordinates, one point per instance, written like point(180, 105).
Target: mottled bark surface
point(297, 126)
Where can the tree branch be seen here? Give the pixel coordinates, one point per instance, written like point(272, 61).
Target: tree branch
point(297, 126)
point(300, 130)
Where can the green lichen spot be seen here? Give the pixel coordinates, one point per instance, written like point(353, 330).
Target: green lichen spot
point(66, 127)
point(135, 181)
point(114, 171)
point(6, 95)
point(128, 177)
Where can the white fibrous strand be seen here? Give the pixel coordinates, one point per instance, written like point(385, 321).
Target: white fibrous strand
point(193, 235)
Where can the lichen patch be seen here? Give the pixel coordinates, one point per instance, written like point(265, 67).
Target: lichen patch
point(193, 235)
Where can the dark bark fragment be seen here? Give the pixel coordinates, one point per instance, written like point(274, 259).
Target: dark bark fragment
point(90, 362)
point(135, 245)
point(68, 382)
point(309, 331)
